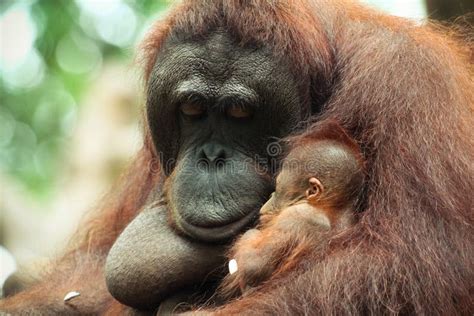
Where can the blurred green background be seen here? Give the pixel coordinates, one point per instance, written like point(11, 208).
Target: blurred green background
point(70, 97)
point(55, 50)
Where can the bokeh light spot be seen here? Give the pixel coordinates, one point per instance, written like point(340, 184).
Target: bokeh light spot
point(45, 158)
point(118, 27)
point(18, 33)
point(78, 55)
point(414, 9)
point(27, 74)
point(7, 128)
point(52, 110)
point(114, 21)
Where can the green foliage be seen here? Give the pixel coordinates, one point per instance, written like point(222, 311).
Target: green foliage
point(39, 96)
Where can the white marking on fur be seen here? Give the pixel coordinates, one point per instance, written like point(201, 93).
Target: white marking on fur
point(233, 266)
point(69, 296)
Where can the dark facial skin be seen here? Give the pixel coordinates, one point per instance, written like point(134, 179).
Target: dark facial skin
point(213, 107)
point(309, 201)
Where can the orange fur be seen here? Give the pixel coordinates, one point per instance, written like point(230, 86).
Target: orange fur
point(405, 93)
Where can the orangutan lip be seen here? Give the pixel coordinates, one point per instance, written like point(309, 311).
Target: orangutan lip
point(219, 233)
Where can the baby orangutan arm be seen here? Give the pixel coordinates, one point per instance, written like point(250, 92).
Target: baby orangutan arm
point(278, 245)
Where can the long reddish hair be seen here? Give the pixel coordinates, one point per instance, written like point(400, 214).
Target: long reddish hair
point(405, 93)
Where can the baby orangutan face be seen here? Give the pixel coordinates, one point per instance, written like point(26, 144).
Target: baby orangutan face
point(295, 192)
point(288, 195)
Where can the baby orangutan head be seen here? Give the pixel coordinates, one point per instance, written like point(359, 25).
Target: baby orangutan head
point(324, 169)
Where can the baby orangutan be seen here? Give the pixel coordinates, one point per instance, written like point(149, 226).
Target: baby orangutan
point(316, 193)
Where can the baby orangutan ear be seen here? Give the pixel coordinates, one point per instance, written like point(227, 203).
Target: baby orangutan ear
point(315, 189)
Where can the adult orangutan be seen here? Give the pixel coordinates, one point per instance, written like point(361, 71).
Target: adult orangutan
point(224, 78)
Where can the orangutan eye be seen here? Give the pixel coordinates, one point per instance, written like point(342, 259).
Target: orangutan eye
point(192, 109)
point(239, 112)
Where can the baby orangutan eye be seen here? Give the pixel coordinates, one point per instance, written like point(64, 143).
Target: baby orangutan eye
point(192, 109)
point(239, 112)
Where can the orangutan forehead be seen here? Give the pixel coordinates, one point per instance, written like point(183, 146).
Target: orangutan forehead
point(218, 46)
